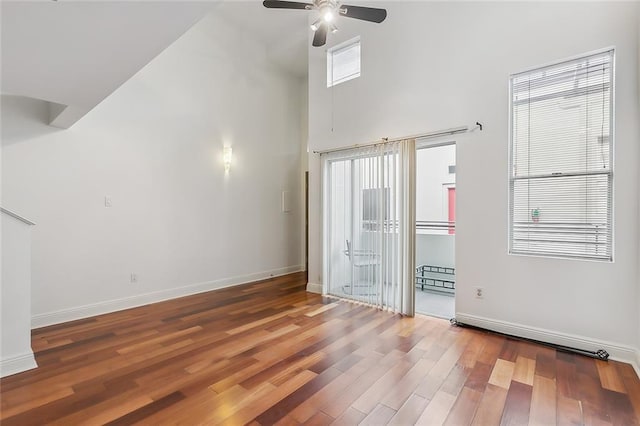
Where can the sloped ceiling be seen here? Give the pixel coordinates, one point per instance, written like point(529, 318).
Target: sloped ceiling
point(74, 54)
point(284, 32)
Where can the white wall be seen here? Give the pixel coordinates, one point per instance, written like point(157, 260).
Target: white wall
point(439, 65)
point(432, 174)
point(155, 147)
point(304, 157)
point(638, 309)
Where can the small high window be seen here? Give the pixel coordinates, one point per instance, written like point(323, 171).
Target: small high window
point(561, 176)
point(343, 62)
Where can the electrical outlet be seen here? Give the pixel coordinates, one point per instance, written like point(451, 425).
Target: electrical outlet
point(479, 291)
point(134, 278)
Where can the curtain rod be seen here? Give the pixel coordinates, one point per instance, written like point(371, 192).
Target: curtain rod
point(452, 131)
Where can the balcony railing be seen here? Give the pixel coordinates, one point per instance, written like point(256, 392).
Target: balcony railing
point(434, 226)
point(392, 225)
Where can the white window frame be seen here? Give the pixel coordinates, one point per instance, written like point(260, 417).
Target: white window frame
point(331, 81)
point(511, 179)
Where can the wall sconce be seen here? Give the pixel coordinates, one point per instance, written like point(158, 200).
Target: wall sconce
point(226, 158)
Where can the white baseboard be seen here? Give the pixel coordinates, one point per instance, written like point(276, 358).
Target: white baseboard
point(616, 351)
point(71, 314)
point(17, 364)
point(314, 288)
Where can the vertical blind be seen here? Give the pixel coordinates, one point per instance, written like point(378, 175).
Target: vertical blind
point(369, 225)
point(561, 173)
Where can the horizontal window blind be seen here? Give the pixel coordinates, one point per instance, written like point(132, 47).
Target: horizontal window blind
point(561, 173)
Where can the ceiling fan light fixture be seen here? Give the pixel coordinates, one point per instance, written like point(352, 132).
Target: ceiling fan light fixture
point(316, 25)
point(328, 15)
point(328, 11)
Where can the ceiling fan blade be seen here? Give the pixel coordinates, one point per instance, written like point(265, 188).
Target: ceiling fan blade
point(320, 37)
point(277, 4)
point(370, 14)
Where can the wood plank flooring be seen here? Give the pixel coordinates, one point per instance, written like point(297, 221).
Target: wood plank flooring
point(270, 353)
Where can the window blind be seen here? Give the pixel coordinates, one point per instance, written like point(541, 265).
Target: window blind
point(561, 172)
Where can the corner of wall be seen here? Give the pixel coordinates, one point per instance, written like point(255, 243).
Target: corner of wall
point(314, 288)
point(636, 365)
point(17, 364)
point(234, 227)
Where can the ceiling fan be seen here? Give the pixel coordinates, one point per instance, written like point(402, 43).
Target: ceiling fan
point(329, 10)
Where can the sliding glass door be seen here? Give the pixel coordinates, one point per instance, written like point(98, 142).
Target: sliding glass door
point(435, 229)
point(366, 213)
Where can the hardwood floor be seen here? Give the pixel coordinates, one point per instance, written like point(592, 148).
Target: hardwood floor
point(268, 352)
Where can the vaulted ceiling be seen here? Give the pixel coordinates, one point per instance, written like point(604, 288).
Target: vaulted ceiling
point(74, 54)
